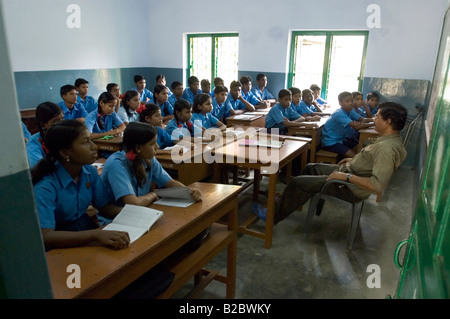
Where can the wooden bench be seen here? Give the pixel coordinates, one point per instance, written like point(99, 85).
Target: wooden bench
point(323, 156)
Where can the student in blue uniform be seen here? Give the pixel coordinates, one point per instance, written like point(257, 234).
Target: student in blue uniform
point(104, 121)
point(281, 115)
point(177, 90)
point(152, 115)
point(370, 108)
point(246, 83)
point(139, 85)
point(300, 107)
point(26, 133)
point(71, 109)
point(161, 79)
point(321, 103)
point(160, 97)
point(202, 116)
point(190, 92)
point(88, 102)
point(114, 89)
point(65, 185)
point(221, 110)
point(205, 86)
point(217, 81)
point(352, 135)
point(309, 103)
point(236, 100)
point(333, 132)
point(260, 89)
point(47, 113)
point(128, 175)
point(181, 126)
point(130, 104)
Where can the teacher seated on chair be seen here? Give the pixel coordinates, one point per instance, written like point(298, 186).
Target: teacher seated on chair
point(368, 171)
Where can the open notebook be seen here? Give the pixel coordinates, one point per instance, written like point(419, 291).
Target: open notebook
point(135, 220)
point(174, 196)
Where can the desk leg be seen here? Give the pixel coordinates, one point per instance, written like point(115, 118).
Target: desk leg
point(232, 252)
point(256, 183)
point(270, 210)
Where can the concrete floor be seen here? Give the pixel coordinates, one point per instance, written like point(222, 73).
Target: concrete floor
point(316, 265)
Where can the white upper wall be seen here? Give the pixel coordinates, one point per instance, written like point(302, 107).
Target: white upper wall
point(147, 33)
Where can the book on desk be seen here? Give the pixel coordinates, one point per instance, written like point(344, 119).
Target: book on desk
point(247, 117)
point(135, 220)
point(174, 196)
point(262, 143)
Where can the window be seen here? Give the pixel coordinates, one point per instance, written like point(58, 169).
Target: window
point(334, 60)
point(212, 55)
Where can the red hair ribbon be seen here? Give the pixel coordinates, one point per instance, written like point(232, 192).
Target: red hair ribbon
point(131, 155)
point(46, 151)
point(180, 125)
point(140, 108)
point(190, 125)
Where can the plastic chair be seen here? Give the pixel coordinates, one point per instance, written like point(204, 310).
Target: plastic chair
point(318, 200)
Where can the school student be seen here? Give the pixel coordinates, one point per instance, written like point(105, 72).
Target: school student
point(47, 113)
point(321, 103)
point(65, 185)
point(261, 91)
point(217, 81)
point(205, 86)
point(236, 100)
point(190, 92)
point(333, 132)
point(221, 110)
point(202, 116)
point(246, 83)
point(130, 104)
point(139, 85)
point(281, 115)
point(351, 135)
point(181, 126)
point(71, 109)
point(300, 107)
point(370, 108)
point(308, 103)
point(104, 121)
point(160, 98)
point(152, 115)
point(177, 90)
point(161, 79)
point(128, 174)
point(114, 89)
point(87, 101)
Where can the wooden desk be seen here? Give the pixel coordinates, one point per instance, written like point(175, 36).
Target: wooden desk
point(314, 133)
point(259, 121)
point(105, 271)
point(251, 157)
point(112, 145)
point(366, 135)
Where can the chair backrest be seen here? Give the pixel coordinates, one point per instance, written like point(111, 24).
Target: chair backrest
point(411, 127)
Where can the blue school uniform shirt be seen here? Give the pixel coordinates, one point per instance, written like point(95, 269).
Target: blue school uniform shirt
point(264, 95)
point(60, 200)
point(207, 121)
point(350, 131)
point(189, 95)
point(77, 111)
point(333, 131)
point(311, 107)
point(176, 132)
point(125, 117)
point(276, 115)
point(235, 104)
point(119, 179)
point(89, 104)
point(221, 111)
point(162, 138)
point(172, 99)
point(110, 122)
point(321, 101)
point(25, 131)
point(166, 108)
point(145, 95)
point(250, 97)
point(301, 108)
point(35, 152)
point(363, 112)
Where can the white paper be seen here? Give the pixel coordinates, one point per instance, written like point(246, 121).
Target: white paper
point(175, 202)
point(133, 232)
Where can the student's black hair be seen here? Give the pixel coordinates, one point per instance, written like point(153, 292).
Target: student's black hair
point(245, 79)
point(295, 90)
point(58, 137)
point(175, 84)
point(205, 81)
point(260, 76)
point(234, 84)
point(314, 87)
point(138, 78)
point(307, 91)
point(371, 95)
point(283, 93)
point(110, 86)
point(137, 133)
point(220, 88)
point(192, 79)
point(355, 94)
point(149, 110)
point(158, 89)
point(66, 89)
point(44, 113)
point(343, 95)
point(126, 97)
point(105, 97)
point(179, 106)
point(80, 81)
point(199, 99)
point(397, 113)
point(159, 76)
point(218, 80)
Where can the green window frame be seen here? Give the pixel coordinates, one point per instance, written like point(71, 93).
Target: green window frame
point(215, 59)
point(327, 56)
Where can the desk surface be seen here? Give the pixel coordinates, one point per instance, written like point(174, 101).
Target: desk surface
point(105, 271)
